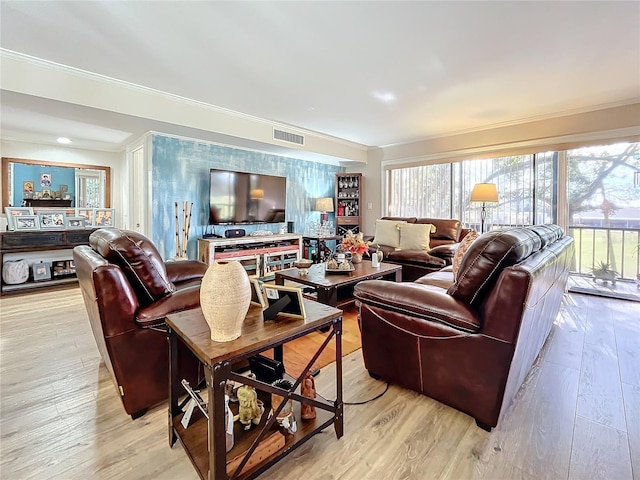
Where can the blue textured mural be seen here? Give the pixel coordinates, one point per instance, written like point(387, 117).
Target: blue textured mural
point(181, 173)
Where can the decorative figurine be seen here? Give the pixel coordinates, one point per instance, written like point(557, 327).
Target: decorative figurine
point(308, 412)
point(250, 409)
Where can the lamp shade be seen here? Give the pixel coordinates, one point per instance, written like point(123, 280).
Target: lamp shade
point(485, 192)
point(324, 204)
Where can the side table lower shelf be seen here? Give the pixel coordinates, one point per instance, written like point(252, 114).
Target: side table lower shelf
point(194, 440)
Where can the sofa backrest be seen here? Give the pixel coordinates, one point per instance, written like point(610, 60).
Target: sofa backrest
point(139, 259)
point(487, 257)
point(446, 229)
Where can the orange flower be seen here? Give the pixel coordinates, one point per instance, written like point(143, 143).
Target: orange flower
point(354, 243)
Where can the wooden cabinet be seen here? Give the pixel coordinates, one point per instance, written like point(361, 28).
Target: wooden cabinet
point(348, 202)
point(42, 245)
point(260, 256)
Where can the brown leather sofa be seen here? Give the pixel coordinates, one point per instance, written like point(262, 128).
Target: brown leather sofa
point(442, 247)
point(469, 342)
point(128, 290)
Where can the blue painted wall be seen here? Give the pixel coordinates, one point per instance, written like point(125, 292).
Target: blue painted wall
point(23, 172)
point(180, 172)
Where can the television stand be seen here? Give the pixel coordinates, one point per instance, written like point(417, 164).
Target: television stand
point(261, 256)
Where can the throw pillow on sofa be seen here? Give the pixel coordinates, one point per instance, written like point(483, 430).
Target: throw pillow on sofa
point(462, 249)
point(387, 233)
point(415, 236)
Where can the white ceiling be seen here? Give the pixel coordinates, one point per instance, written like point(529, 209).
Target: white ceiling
point(375, 73)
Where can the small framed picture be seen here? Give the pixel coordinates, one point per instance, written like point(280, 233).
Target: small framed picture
point(52, 220)
point(26, 222)
point(88, 214)
point(289, 300)
point(64, 188)
point(104, 217)
point(28, 186)
point(13, 212)
point(257, 293)
point(76, 222)
point(46, 193)
point(45, 180)
point(42, 271)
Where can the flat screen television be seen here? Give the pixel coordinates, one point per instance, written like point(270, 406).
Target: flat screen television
point(240, 197)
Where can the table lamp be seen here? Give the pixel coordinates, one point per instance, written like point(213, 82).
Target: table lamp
point(324, 205)
point(485, 193)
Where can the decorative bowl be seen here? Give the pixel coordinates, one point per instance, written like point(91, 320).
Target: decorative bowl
point(303, 265)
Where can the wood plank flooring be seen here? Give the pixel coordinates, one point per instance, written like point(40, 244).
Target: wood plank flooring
point(576, 417)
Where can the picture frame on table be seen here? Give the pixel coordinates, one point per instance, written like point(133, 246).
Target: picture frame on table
point(41, 271)
point(291, 297)
point(76, 222)
point(13, 212)
point(87, 213)
point(104, 217)
point(26, 223)
point(257, 293)
point(52, 220)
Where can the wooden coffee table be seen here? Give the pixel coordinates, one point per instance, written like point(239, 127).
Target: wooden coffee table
point(336, 289)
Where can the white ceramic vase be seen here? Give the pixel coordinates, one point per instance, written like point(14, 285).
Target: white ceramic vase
point(225, 295)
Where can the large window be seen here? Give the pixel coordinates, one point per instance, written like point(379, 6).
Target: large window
point(525, 186)
point(597, 201)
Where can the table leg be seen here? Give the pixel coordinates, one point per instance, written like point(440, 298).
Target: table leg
point(174, 409)
point(339, 419)
point(216, 377)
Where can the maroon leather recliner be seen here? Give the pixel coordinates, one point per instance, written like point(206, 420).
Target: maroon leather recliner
point(128, 290)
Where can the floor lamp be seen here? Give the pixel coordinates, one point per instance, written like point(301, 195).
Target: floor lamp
point(485, 193)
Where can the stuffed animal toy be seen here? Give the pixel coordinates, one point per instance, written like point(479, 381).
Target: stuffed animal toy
point(250, 410)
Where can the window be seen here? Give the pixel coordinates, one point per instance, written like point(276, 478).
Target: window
point(444, 190)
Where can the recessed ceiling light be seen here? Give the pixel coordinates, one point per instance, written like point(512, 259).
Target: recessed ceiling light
point(63, 140)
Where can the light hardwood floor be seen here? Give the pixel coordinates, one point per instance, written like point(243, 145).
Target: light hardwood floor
point(577, 416)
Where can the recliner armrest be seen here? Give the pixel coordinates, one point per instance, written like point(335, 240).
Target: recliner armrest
point(425, 302)
point(154, 314)
point(183, 270)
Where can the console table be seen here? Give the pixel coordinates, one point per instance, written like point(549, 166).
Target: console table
point(204, 438)
point(260, 256)
point(15, 244)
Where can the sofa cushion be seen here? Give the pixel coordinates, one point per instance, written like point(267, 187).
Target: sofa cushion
point(446, 229)
point(487, 256)
point(415, 237)
point(138, 258)
point(462, 250)
point(415, 257)
point(442, 278)
point(387, 233)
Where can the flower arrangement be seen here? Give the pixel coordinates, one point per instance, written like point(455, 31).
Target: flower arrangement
point(354, 243)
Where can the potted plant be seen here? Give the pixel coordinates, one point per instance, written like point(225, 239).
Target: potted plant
point(604, 272)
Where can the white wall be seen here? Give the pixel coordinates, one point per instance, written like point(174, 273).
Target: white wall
point(55, 154)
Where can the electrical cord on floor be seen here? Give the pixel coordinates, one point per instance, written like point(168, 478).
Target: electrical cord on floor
point(371, 399)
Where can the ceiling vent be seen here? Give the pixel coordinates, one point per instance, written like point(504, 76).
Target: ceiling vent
point(288, 137)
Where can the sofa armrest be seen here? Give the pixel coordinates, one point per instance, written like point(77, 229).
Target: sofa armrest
point(183, 270)
point(154, 314)
point(425, 302)
point(447, 250)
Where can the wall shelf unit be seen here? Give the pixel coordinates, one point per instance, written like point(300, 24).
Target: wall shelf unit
point(348, 202)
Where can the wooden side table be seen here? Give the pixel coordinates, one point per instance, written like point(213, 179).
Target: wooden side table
point(204, 439)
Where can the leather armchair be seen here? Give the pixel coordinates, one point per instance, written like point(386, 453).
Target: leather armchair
point(470, 341)
point(128, 290)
